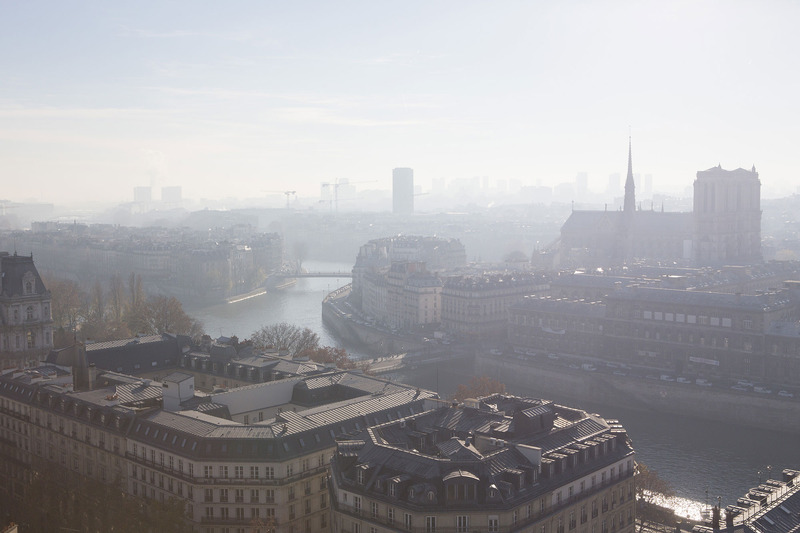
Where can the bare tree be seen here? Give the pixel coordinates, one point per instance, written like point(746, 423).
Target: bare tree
point(479, 386)
point(285, 336)
point(651, 492)
point(136, 316)
point(329, 354)
point(66, 304)
point(116, 297)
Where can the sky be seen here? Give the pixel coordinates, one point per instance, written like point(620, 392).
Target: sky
point(241, 99)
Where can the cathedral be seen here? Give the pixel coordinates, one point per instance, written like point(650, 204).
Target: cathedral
point(724, 227)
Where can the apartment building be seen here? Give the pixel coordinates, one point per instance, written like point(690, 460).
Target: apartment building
point(163, 440)
point(477, 304)
point(497, 464)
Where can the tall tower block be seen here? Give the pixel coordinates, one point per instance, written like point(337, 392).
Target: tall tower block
point(403, 191)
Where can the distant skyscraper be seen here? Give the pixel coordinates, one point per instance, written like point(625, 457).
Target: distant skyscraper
point(142, 194)
point(613, 184)
point(648, 185)
point(402, 191)
point(581, 185)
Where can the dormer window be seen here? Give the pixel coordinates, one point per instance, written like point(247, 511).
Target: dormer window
point(28, 287)
point(410, 494)
point(29, 313)
point(360, 475)
point(392, 489)
point(431, 496)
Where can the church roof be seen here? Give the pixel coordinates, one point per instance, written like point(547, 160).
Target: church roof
point(13, 269)
point(592, 222)
point(656, 223)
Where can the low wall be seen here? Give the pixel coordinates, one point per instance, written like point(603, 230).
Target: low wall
point(372, 340)
point(764, 412)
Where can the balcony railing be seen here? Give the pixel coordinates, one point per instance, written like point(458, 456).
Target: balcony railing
point(525, 522)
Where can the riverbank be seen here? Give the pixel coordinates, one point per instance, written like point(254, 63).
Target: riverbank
point(338, 317)
point(645, 395)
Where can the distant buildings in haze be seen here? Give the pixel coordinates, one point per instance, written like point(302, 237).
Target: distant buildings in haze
point(725, 227)
point(403, 191)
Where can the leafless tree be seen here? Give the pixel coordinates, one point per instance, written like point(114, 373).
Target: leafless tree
point(284, 336)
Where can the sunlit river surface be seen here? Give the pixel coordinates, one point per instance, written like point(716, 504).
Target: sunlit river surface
point(695, 456)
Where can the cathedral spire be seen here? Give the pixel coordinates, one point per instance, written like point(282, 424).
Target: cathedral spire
point(629, 205)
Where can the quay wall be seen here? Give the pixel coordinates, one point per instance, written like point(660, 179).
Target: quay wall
point(371, 339)
point(709, 403)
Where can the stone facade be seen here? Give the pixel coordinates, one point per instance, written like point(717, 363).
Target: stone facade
point(26, 330)
point(497, 464)
point(269, 475)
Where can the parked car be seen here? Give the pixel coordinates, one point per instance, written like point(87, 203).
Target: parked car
point(785, 394)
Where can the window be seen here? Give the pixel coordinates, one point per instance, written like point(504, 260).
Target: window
point(374, 509)
point(254, 496)
point(357, 504)
point(494, 524)
point(253, 472)
point(207, 472)
point(430, 524)
point(239, 495)
point(392, 489)
point(223, 495)
point(223, 472)
point(269, 472)
point(289, 470)
point(407, 520)
point(238, 472)
point(462, 524)
point(390, 515)
point(209, 495)
point(269, 495)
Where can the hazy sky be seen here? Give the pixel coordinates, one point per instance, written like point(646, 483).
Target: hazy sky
point(239, 98)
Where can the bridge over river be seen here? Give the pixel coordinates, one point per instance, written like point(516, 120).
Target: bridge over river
point(314, 275)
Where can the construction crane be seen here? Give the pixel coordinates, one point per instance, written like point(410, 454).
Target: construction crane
point(335, 186)
point(288, 195)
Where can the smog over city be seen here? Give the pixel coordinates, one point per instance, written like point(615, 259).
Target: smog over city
point(366, 267)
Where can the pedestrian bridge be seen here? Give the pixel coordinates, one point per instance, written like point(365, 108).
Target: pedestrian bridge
point(315, 275)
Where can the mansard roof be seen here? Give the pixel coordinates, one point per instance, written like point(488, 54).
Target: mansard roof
point(15, 269)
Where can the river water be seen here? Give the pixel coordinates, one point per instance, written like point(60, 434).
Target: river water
point(702, 460)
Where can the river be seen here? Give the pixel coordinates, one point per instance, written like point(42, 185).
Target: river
point(697, 457)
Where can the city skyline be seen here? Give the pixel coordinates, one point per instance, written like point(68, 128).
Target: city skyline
point(101, 98)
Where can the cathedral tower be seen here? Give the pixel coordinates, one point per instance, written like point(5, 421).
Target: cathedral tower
point(727, 217)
